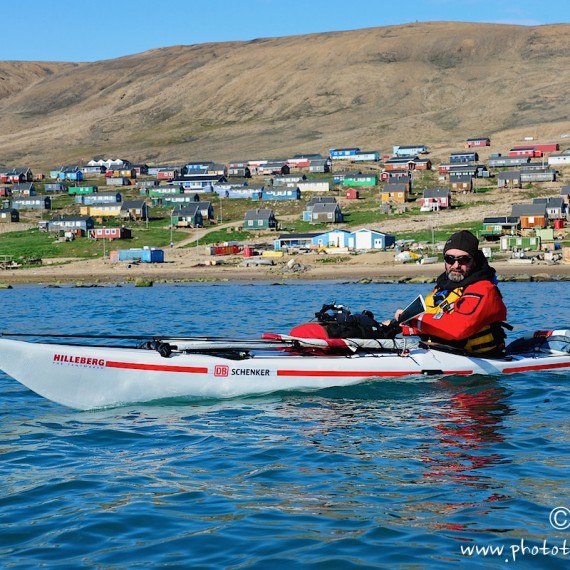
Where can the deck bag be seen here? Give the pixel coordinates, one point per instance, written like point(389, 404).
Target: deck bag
point(336, 321)
point(542, 342)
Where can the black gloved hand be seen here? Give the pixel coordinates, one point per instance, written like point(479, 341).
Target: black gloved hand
point(392, 328)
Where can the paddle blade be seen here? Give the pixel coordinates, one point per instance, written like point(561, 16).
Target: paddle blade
point(415, 308)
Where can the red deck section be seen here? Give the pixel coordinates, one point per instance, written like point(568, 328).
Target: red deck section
point(532, 367)
point(157, 367)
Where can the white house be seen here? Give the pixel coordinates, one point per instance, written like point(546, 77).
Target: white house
point(313, 186)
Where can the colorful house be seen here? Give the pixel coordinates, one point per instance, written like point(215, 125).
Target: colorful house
point(478, 142)
point(326, 213)
point(435, 199)
point(32, 203)
point(110, 233)
point(260, 219)
point(461, 182)
point(509, 179)
point(530, 215)
point(188, 216)
point(364, 239)
point(343, 153)
point(410, 150)
point(395, 192)
point(495, 227)
point(134, 210)
point(313, 186)
point(9, 215)
point(361, 180)
point(281, 194)
point(78, 225)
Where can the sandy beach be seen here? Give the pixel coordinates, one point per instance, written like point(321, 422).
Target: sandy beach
point(185, 265)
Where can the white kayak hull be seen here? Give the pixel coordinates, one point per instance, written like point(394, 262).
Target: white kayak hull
point(89, 377)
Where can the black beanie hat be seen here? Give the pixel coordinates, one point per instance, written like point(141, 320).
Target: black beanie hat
point(463, 240)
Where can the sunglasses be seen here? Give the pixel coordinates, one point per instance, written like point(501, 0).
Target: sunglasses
point(461, 259)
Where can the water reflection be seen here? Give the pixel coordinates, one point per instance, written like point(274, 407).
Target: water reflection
point(469, 426)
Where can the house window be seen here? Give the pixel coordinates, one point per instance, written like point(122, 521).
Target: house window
point(531, 219)
point(259, 223)
point(330, 216)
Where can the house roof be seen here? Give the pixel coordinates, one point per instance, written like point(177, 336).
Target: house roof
point(321, 200)
point(325, 208)
point(510, 175)
point(506, 220)
point(550, 202)
point(298, 236)
point(259, 214)
point(133, 204)
point(437, 193)
point(528, 210)
point(395, 187)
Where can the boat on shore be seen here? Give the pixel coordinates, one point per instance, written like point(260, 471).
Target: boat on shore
point(89, 376)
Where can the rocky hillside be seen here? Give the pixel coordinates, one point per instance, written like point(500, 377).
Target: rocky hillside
point(435, 83)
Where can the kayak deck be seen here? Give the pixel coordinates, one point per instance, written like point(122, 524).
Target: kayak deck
point(87, 377)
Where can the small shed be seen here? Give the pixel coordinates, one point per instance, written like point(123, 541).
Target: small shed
point(352, 194)
point(9, 215)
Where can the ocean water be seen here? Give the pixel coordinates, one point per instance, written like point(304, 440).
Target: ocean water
point(407, 474)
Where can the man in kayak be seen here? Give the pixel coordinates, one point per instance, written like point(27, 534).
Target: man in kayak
point(465, 310)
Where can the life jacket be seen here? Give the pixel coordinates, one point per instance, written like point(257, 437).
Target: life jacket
point(490, 340)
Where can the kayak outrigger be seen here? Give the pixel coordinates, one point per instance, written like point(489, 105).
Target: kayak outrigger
point(89, 376)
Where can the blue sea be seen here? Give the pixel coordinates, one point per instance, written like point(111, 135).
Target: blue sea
point(392, 474)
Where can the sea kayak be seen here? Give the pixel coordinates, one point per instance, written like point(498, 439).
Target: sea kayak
point(89, 376)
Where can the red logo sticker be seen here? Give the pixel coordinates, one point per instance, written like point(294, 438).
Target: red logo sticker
point(221, 370)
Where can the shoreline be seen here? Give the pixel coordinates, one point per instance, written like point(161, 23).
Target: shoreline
point(365, 268)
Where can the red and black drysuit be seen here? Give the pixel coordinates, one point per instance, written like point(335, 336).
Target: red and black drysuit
point(467, 315)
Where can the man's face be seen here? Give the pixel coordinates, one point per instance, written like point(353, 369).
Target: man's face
point(458, 264)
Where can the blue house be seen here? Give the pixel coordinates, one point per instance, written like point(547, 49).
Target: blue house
point(334, 238)
point(78, 225)
point(362, 239)
point(293, 241)
point(343, 153)
point(412, 150)
point(252, 192)
point(67, 173)
point(281, 193)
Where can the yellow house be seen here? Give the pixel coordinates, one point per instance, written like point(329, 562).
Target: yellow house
point(396, 192)
point(101, 210)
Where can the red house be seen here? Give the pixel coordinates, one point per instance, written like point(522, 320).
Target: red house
point(352, 194)
point(525, 151)
point(110, 233)
point(478, 142)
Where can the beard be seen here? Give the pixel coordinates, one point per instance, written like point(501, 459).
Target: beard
point(456, 276)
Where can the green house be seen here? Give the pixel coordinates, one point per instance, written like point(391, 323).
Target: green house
point(494, 228)
point(360, 180)
point(81, 190)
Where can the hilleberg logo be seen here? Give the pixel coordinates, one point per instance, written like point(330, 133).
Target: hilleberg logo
point(78, 360)
point(221, 370)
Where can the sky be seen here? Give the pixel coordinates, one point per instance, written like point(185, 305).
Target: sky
point(94, 30)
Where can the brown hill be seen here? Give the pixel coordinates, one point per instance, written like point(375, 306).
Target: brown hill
point(433, 83)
